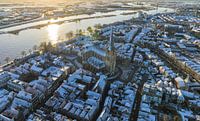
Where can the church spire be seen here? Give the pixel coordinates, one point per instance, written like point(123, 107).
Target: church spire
point(111, 41)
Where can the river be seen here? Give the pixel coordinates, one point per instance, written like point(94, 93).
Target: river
point(11, 45)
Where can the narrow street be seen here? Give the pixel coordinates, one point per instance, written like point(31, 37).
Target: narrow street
point(138, 98)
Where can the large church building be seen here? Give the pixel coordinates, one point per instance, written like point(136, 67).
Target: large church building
point(100, 59)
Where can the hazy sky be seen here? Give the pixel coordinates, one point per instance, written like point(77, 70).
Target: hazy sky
point(70, 1)
point(36, 1)
point(28, 0)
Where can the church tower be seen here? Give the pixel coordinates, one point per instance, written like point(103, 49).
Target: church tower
point(111, 55)
point(111, 42)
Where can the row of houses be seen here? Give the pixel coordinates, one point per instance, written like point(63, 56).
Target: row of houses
point(182, 62)
point(80, 96)
point(28, 94)
point(162, 92)
point(44, 115)
point(123, 33)
point(119, 103)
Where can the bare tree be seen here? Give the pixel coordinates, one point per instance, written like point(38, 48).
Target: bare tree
point(7, 59)
point(96, 34)
point(50, 47)
point(35, 47)
point(90, 30)
point(79, 32)
point(70, 34)
point(23, 53)
point(30, 51)
point(43, 46)
point(97, 26)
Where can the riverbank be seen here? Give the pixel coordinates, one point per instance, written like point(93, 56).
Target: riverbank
point(56, 22)
point(25, 22)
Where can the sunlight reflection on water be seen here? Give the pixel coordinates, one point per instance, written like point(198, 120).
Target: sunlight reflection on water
point(53, 33)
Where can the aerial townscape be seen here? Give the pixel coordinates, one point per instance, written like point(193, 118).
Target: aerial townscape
point(142, 68)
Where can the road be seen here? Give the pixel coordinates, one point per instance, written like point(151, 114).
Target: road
point(138, 98)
